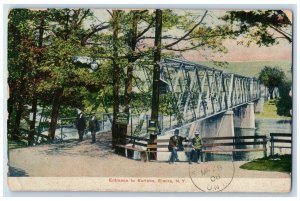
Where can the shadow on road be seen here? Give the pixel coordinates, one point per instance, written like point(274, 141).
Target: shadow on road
point(73, 147)
point(15, 172)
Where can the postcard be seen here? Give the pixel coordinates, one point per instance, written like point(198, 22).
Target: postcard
point(149, 100)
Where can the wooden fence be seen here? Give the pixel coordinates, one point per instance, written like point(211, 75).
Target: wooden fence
point(277, 139)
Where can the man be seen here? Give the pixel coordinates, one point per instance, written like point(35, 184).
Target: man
point(175, 144)
point(93, 126)
point(80, 124)
point(196, 148)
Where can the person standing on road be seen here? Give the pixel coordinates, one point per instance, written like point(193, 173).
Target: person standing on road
point(196, 148)
point(93, 126)
point(80, 124)
point(175, 144)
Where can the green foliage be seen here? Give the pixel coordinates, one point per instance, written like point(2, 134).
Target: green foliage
point(167, 105)
point(40, 71)
point(41, 45)
point(284, 104)
point(282, 165)
point(259, 26)
point(14, 144)
point(171, 19)
point(23, 55)
point(271, 77)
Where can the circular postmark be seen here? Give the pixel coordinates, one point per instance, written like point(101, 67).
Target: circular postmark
point(212, 176)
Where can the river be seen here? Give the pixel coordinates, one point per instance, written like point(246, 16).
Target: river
point(262, 127)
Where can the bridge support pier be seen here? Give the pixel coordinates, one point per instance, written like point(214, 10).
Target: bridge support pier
point(245, 117)
point(226, 128)
point(220, 125)
point(259, 105)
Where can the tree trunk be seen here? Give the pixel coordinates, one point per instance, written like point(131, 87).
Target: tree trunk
point(156, 70)
point(116, 78)
point(131, 59)
point(271, 90)
point(10, 107)
point(34, 97)
point(20, 97)
point(54, 113)
point(32, 123)
point(18, 116)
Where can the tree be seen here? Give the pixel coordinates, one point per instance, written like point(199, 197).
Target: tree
point(259, 26)
point(196, 35)
point(132, 34)
point(67, 83)
point(156, 69)
point(21, 62)
point(41, 19)
point(284, 103)
point(61, 79)
point(271, 78)
point(116, 78)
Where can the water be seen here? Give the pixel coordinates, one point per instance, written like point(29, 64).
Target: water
point(263, 127)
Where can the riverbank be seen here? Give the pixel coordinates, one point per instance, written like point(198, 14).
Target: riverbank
point(280, 164)
point(270, 112)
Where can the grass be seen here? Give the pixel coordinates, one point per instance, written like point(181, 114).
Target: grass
point(270, 111)
point(282, 165)
point(13, 144)
point(252, 68)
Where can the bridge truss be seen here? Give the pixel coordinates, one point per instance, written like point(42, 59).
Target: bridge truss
point(199, 92)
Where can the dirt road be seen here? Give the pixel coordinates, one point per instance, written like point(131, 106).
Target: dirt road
point(84, 159)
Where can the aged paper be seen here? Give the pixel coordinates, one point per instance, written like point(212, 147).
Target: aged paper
point(149, 100)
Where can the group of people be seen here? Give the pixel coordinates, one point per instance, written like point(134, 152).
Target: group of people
point(176, 144)
point(81, 125)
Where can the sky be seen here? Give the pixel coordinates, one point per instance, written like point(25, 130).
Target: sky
point(236, 52)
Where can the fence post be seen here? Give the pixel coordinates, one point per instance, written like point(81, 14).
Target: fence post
point(233, 152)
point(203, 156)
point(131, 125)
point(162, 122)
point(61, 130)
point(147, 123)
point(265, 146)
point(272, 145)
point(102, 122)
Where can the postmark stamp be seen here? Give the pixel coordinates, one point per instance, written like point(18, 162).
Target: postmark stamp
point(212, 176)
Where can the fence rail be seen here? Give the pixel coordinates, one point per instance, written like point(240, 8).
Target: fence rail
point(280, 138)
point(209, 144)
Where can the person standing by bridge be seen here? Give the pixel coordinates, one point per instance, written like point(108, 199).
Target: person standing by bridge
point(196, 148)
point(175, 144)
point(93, 126)
point(80, 124)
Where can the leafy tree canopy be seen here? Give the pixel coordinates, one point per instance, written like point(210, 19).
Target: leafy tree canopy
point(260, 25)
point(271, 78)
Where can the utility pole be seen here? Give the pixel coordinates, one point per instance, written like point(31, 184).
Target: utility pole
point(156, 71)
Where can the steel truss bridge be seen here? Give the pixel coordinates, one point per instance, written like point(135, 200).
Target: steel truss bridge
point(196, 92)
point(199, 92)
